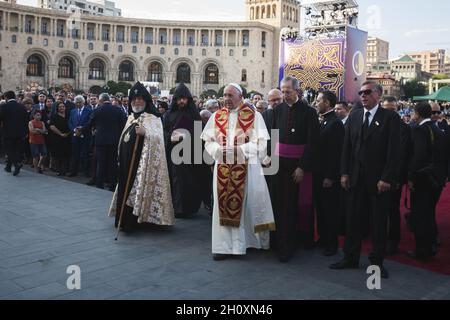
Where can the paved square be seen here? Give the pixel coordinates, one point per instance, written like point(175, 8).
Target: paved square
point(48, 224)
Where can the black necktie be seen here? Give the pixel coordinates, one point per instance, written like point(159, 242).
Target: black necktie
point(366, 123)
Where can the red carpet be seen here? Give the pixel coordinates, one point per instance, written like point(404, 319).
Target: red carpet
point(441, 263)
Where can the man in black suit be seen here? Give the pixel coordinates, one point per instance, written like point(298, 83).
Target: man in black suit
point(108, 121)
point(14, 118)
point(427, 175)
point(369, 168)
point(327, 176)
point(394, 218)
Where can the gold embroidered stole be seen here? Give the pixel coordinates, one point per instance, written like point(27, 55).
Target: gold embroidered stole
point(231, 178)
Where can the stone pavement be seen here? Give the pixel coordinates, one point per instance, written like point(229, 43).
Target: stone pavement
point(47, 224)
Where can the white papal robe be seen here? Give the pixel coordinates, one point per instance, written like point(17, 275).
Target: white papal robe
point(257, 206)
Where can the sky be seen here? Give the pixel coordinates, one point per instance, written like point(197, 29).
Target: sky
point(409, 25)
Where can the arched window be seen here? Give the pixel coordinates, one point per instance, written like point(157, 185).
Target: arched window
point(45, 42)
point(263, 12)
point(184, 73)
point(155, 72)
point(75, 45)
point(91, 46)
point(126, 71)
point(212, 74)
point(244, 75)
point(35, 66)
point(176, 51)
point(65, 68)
point(134, 49)
point(257, 13)
point(204, 52)
point(105, 47)
point(231, 52)
point(13, 38)
point(218, 52)
point(274, 11)
point(162, 51)
point(29, 40)
point(268, 15)
point(97, 70)
point(61, 44)
point(244, 52)
point(190, 52)
point(120, 48)
point(149, 50)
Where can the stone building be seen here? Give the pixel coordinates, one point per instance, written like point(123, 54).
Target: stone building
point(54, 48)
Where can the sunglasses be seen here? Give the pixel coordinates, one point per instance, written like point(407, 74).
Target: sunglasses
point(436, 112)
point(365, 92)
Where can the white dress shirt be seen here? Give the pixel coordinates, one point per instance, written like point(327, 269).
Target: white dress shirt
point(372, 114)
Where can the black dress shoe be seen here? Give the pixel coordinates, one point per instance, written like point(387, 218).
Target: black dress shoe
point(345, 264)
point(220, 257)
point(17, 170)
point(285, 258)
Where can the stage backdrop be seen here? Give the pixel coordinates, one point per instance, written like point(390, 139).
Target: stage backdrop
point(332, 64)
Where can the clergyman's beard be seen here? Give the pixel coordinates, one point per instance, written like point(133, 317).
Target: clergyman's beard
point(137, 109)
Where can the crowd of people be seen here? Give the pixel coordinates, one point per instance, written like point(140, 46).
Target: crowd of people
point(342, 166)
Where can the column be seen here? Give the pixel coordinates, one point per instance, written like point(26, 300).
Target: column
point(155, 36)
point(36, 25)
point(213, 36)
point(8, 17)
point(4, 19)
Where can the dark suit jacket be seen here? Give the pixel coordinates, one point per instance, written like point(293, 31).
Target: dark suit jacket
point(79, 121)
point(429, 148)
point(405, 152)
point(109, 121)
point(329, 150)
point(377, 154)
point(14, 118)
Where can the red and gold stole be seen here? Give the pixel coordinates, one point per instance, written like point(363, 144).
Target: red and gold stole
point(231, 178)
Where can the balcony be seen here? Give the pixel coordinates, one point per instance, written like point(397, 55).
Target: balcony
point(176, 42)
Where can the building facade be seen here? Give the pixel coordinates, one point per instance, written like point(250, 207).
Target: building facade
point(377, 52)
point(391, 86)
point(93, 7)
point(432, 61)
point(54, 48)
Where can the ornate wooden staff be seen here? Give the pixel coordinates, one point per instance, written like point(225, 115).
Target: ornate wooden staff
point(128, 185)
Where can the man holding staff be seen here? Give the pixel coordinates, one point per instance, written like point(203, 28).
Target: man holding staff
point(143, 193)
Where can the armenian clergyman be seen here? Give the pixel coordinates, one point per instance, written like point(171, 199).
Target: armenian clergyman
point(236, 138)
point(143, 193)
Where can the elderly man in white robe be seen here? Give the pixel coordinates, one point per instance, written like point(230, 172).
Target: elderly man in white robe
point(236, 138)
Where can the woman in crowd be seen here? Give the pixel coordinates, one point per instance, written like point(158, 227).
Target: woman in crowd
point(60, 139)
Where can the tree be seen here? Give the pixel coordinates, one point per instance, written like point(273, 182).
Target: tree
point(414, 88)
point(440, 77)
point(208, 93)
point(113, 87)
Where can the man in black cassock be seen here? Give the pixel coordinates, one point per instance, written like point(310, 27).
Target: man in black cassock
point(327, 178)
point(186, 178)
point(148, 197)
point(298, 127)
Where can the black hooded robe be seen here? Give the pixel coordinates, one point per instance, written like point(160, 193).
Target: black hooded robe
point(185, 179)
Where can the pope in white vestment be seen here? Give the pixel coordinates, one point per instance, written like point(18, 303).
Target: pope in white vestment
point(231, 236)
